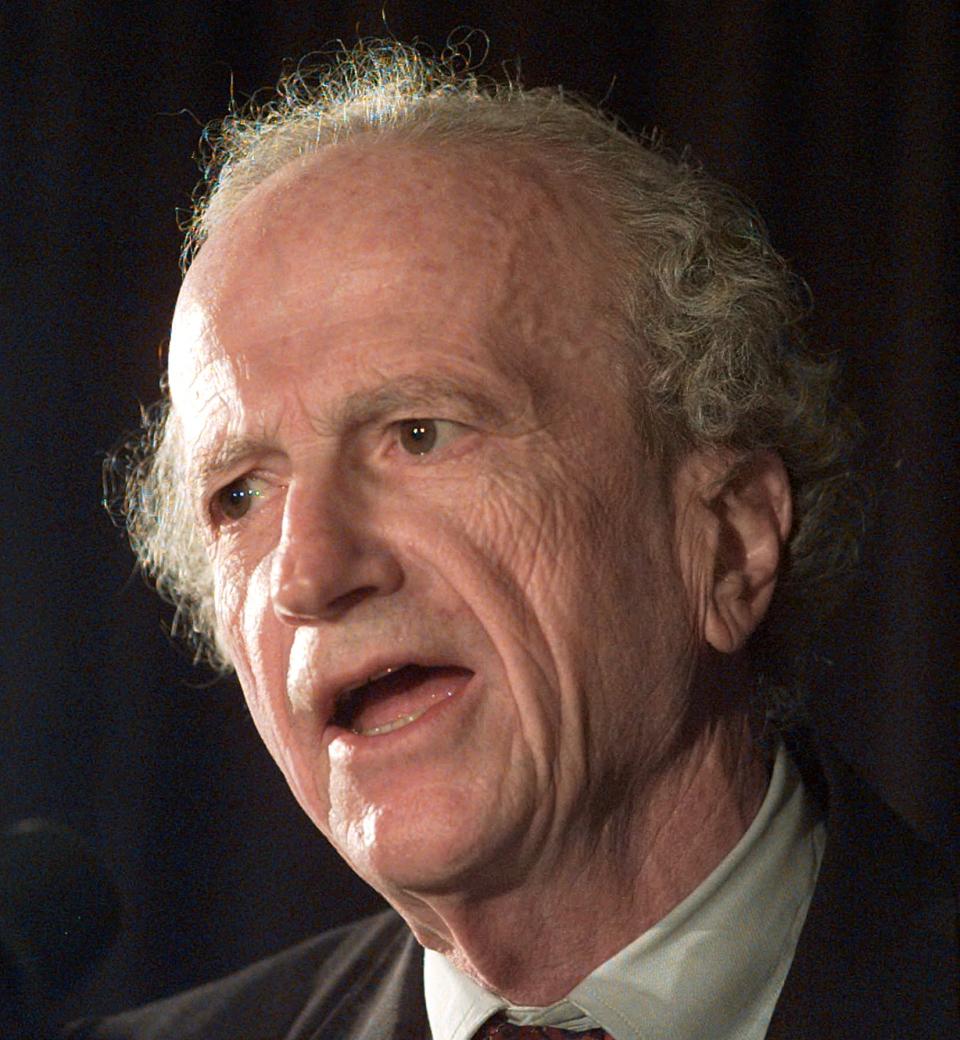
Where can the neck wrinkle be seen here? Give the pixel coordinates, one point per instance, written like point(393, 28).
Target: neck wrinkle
point(533, 944)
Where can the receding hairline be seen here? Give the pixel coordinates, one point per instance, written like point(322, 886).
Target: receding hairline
point(556, 200)
point(536, 167)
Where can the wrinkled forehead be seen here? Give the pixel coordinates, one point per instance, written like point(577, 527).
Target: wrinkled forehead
point(457, 242)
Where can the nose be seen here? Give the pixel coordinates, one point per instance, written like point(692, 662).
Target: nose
point(328, 559)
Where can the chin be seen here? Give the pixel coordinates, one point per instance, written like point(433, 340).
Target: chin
point(435, 844)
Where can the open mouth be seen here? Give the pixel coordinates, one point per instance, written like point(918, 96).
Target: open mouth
point(397, 697)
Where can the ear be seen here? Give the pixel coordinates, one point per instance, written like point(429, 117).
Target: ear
point(752, 513)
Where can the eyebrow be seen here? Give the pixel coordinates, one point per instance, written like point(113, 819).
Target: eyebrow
point(222, 456)
point(412, 392)
point(417, 396)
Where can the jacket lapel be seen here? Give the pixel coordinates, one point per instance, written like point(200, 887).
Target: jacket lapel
point(877, 954)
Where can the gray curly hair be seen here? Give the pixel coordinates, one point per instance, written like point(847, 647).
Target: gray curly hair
point(710, 314)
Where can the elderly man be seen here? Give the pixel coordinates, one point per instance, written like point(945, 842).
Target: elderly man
point(489, 447)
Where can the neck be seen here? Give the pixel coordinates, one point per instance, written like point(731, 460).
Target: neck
point(534, 943)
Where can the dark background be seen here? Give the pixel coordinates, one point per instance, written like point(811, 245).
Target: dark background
point(838, 119)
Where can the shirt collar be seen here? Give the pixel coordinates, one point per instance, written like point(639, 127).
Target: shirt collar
point(714, 966)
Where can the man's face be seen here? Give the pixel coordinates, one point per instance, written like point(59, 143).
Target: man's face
point(409, 447)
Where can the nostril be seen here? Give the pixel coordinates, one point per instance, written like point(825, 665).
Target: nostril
point(350, 599)
point(297, 607)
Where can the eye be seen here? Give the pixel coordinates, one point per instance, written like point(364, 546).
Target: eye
point(423, 436)
point(418, 436)
point(235, 500)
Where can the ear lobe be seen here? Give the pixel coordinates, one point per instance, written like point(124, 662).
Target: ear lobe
point(753, 510)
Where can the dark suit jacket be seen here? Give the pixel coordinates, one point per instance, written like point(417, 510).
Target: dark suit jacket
point(877, 958)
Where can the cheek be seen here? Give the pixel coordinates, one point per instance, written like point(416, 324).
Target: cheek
point(229, 583)
point(245, 623)
point(585, 554)
point(523, 548)
point(519, 522)
point(263, 647)
point(540, 538)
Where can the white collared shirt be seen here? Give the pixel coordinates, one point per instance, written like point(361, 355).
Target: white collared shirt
point(713, 967)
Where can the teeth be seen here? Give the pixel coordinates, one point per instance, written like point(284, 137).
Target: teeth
point(398, 723)
point(388, 727)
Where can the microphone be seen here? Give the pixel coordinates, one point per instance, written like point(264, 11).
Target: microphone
point(59, 911)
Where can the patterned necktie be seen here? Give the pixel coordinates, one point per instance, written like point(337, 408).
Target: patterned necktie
point(498, 1028)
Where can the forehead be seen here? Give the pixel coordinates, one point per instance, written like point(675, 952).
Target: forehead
point(370, 251)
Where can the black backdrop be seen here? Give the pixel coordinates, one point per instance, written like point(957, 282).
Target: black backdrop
point(837, 118)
